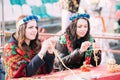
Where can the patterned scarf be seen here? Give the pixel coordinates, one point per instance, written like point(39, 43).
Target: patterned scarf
point(65, 40)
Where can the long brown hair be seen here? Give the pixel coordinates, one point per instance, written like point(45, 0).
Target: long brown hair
point(20, 37)
point(71, 32)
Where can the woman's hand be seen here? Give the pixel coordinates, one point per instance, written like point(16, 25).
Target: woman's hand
point(48, 45)
point(51, 44)
point(43, 50)
point(84, 46)
point(96, 47)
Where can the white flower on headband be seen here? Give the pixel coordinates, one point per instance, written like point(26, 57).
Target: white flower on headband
point(26, 19)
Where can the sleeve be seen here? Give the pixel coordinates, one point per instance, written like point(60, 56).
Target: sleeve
point(46, 65)
point(34, 65)
point(49, 61)
point(98, 55)
point(67, 58)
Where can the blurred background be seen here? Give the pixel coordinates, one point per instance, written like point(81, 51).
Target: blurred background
point(50, 12)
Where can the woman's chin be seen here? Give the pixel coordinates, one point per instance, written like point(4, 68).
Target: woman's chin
point(32, 38)
point(81, 36)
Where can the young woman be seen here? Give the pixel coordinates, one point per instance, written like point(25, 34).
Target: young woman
point(24, 55)
point(76, 45)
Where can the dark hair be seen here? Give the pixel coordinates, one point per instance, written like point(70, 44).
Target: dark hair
point(20, 37)
point(118, 21)
point(71, 32)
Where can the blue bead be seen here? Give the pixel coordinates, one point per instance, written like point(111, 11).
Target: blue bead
point(82, 15)
point(25, 20)
point(35, 17)
point(70, 18)
point(30, 17)
point(87, 16)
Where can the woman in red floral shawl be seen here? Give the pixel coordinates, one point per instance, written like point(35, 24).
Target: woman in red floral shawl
point(24, 56)
point(76, 45)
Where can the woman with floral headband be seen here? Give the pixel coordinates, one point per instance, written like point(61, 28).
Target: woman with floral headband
point(24, 56)
point(76, 46)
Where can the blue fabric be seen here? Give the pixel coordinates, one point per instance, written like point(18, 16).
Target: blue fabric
point(2, 72)
point(37, 63)
point(33, 66)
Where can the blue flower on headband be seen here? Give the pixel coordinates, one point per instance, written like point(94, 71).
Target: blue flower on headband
point(76, 16)
point(26, 19)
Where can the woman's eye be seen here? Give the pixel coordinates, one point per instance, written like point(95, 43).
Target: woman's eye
point(79, 26)
point(30, 27)
point(85, 26)
point(36, 27)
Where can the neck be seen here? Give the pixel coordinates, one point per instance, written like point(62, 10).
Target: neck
point(78, 37)
point(27, 41)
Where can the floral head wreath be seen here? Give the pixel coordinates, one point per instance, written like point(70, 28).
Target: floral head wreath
point(27, 19)
point(76, 16)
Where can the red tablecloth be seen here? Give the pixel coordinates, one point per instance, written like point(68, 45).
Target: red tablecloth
point(100, 70)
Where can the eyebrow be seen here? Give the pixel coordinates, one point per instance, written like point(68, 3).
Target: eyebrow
point(82, 24)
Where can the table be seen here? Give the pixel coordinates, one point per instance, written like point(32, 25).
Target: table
point(100, 71)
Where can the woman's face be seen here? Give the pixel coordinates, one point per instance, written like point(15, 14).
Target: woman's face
point(82, 28)
point(31, 30)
